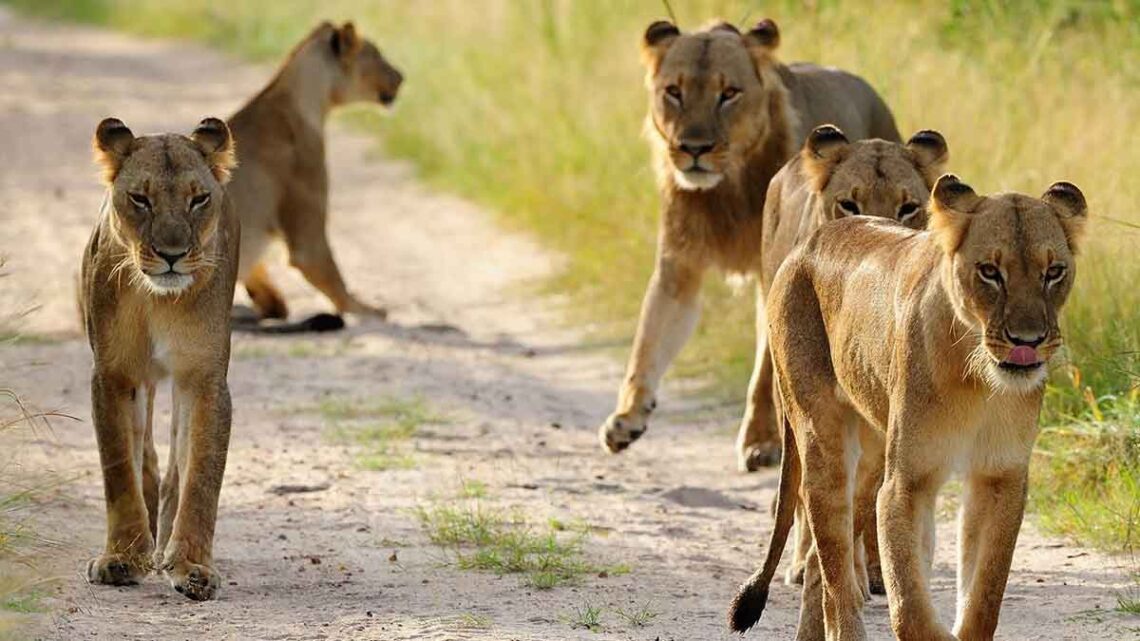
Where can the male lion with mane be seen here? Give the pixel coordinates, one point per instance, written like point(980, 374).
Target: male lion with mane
point(157, 285)
point(939, 340)
point(724, 116)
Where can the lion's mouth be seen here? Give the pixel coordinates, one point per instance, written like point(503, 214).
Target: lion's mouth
point(1022, 359)
point(168, 282)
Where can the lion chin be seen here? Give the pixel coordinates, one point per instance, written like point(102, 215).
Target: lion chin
point(167, 283)
point(1022, 380)
point(697, 180)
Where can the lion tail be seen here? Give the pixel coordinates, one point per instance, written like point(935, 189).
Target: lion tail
point(750, 600)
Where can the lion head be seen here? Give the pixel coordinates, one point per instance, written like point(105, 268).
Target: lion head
point(362, 72)
point(874, 177)
point(1011, 267)
point(710, 97)
point(166, 199)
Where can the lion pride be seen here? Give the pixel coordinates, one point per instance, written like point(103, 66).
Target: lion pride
point(724, 116)
point(939, 340)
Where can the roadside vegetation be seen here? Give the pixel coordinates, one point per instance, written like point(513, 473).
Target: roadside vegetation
point(534, 109)
point(380, 431)
point(475, 534)
point(21, 581)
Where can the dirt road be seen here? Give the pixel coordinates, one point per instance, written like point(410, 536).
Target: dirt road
point(503, 405)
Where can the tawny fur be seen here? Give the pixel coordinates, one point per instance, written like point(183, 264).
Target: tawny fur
point(281, 188)
point(915, 334)
point(147, 318)
point(724, 116)
point(832, 178)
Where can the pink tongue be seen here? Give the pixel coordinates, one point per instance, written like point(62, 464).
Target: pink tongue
point(1022, 355)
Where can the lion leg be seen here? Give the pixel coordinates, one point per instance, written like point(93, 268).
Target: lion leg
point(202, 443)
point(829, 466)
point(758, 441)
point(795, 575)
point(992, 508)
point(668, 315)
point(150, 465)
point(119, 412)
point(169, 490)
point(905, 507)
point(869, 477)
point(316, 263)
point(266, 298)
point(811, 625)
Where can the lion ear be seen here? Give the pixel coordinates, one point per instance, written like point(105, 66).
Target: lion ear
point(762, 41)
point(217, 146)
point(112, 144)
point(658, 37)
point(345, 42)
point(952, 203)
point(826, 146)
point(1072, 210)
point(930, 153)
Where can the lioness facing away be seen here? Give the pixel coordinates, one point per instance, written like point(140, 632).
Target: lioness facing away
point(833, 178)
point(724, 116)
point(157, 285)
point(939, 340)
point(281, 188)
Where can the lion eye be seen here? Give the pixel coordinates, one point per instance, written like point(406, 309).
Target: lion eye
point(729, 94)
point(674, 92)
point(140, 201)
point(907, 210)
point(990, 273)
point(199, 201)
point(1054, 273)
point(849, 206)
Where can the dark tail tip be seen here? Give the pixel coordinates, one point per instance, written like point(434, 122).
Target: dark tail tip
point(747, 607)
point(315, 323)
point(323, 323)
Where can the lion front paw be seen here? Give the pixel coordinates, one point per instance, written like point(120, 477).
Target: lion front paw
point(194, 581)
point(117, 569)
point(620, 430)
point(756, 457)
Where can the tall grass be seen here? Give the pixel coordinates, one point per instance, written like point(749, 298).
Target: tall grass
point(19, 544)
point(534, 109)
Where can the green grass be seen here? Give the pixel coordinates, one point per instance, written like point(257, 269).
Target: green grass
point(470, 621)
point(380, 430)
point(489, 539)
point(587, 617)
point(638, 616)
point(534, 109)
point(19, 544)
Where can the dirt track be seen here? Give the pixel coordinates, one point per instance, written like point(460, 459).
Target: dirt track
point(522, 398)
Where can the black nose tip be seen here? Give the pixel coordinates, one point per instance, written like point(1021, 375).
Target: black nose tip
point(1030, 339)
point(696, 149)
point(171, 257)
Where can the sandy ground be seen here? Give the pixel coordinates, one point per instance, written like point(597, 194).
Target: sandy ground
point(522, 394)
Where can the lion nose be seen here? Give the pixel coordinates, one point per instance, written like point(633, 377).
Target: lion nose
point(696, 148)
point(1025, 338)
point(170, 255)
